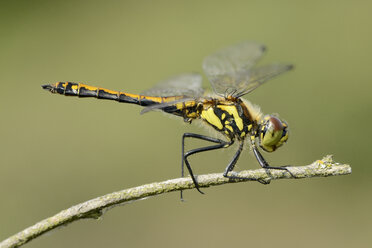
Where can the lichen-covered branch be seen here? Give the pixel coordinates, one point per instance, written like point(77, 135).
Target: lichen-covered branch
point(96, 207)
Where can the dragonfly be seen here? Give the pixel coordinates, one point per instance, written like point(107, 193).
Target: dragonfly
point(232, 73)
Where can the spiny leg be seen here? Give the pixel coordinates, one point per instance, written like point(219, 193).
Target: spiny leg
point(220, 144)
point(232, 163)
point(264, 164)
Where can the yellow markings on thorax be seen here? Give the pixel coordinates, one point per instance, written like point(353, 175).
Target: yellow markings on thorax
point(249, 127)
point(234, 112)
point(227, 125)
point(212, 118)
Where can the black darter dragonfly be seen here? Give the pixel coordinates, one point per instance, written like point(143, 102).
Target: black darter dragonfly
point(232, 74)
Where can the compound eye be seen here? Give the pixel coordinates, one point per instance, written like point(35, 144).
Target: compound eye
point(273, 133)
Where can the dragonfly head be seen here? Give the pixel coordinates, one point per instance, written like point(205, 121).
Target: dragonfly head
point(273, 133)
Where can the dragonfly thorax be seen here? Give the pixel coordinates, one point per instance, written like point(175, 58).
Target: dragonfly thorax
point(231, 118)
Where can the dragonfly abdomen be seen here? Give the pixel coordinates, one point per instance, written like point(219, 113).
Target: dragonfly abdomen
point(83, 90)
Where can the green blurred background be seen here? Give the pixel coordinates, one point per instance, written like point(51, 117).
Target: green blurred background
point(58, 151)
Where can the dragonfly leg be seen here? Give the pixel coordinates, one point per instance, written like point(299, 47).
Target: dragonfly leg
point(220, 144)
point(232, 163)
point(265, 165)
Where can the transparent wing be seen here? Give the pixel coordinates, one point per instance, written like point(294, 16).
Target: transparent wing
point(164, 105)
point(246, 81)
point(188, 85)
point(231, 71)
point(223, 65)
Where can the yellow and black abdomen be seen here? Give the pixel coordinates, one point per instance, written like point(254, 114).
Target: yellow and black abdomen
point(83, 90)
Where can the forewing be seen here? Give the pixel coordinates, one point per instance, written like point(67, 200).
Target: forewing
point(222, 66)
point(164, 105)
point(246, 81)
point(188, 85)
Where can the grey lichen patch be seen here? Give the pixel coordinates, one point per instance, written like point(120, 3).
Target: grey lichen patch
point(326, 162)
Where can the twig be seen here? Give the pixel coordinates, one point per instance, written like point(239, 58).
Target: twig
point(96, 207)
